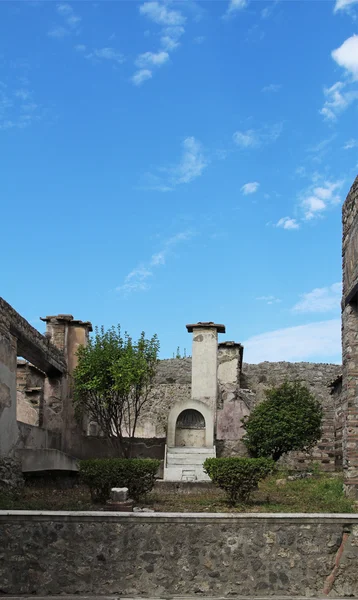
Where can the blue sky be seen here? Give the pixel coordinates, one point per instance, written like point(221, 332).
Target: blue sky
point(170, 162)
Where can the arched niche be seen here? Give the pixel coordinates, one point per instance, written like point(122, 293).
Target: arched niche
point(183, 417)
point(190, 429)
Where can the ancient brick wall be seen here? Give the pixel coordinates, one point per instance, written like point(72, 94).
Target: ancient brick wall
point(350, 339)
point(317, 377)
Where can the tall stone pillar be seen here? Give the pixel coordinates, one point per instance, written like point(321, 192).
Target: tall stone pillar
point(67, 334)
point(350, 341)
point(232, 408)
point(204, 375)
point(8, 360)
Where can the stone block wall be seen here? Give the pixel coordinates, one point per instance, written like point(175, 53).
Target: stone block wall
point(350, 340)
point(161, 555)
point(30, 383)
point(8, 424)
point(318, 378)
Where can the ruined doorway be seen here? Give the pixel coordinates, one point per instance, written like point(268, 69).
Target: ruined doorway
point(190, 429)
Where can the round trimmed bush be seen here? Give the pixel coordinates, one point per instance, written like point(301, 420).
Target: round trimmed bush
point(102, 474)
point(238, 477)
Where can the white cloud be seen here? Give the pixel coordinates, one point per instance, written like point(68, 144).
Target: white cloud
point(344, 4)
point(80, 48)
point(70, 19)
point(170, 37)
point(159, 258)
point(352, 143)
point(152, 59)
point(245, 139)
point(272, 87)
point(268, 10)
point(235, 6)
point(58, 32)
point(336, 101)
point(252, 138)
point(191, 165)
point(342, 93)
point(318, 198)
point(137, 279)
point(64, 9)
point(172, 22)
point(269, 299)
point(23, 94)
point(18, 109)
point(106, 54)
point(159, 13)
point(140, 76)
point(320, 300)
point(346, 56)
point(321, 340)
point(169, 43)
point(287, 223)
point(250, 188)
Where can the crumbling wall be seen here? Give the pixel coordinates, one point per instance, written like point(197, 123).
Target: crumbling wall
point(30, 389)
point(232, 406)
point(350, 340)
point(317, 377)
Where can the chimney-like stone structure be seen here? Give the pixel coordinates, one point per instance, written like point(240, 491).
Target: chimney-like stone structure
point(67, 334)
point(204, 381)
point(350, 341)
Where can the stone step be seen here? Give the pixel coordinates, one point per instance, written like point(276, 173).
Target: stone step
point(185, 472)
point(192, 450)
point(185, 460)
point(188, 475)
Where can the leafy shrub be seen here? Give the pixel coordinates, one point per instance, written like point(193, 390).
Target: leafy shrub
point(102, 474)
point(288, 419)
point(238, 477)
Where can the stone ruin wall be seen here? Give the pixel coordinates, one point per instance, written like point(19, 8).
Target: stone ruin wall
point(173, 384)
point(30, 388)
point(350, 340)
point(143, 555)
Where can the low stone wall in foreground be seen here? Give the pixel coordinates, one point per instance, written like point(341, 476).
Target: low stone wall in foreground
point(163, 554)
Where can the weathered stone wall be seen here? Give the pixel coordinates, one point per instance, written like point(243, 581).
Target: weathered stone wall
point(19, 338)
point(160, 555)
point(30, 383)
point(317, 377)
point(11, 478)
point(33, 346)
point(172, 384)
point(350, 340)
point(231, 405)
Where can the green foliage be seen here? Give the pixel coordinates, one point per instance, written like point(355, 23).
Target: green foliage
point(102, 474)
point(319, 493)
point(288, 419)
point(113, 379)
point(238, 477)
point(178, 353)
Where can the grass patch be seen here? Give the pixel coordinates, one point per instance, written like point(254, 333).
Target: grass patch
point(319, 493)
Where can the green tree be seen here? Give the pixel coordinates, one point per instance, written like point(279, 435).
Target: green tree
point(288, 419)
point(112, 382)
